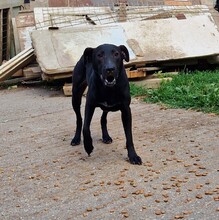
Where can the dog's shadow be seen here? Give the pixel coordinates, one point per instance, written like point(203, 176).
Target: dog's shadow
point(103, 153)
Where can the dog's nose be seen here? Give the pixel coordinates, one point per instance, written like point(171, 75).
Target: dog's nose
point(110, 70)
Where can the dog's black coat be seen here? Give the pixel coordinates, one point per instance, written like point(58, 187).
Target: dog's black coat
point(103, 71)
point(216, 7)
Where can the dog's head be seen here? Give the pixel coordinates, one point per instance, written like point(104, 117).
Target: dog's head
point(107, 61)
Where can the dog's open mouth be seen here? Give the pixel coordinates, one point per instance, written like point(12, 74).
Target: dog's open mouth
point(110, 81)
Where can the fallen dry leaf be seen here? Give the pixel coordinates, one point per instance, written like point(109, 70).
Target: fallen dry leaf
point(166, 187)
point(198, 186)
point(137, 192)
point(159, 212)
point(118, 182)
point(83, 189)
point(85, 215)
point(216, 198)
point(187, 212)
point(209, 193)
point(148, 194)
point(96, 194)
point(87, 182)
point(102, 183)
point(187, 165)
point(124, 196)
point(126, 215)
point(199, 196)
point(165, 195)
point(179, 217)
point(133, 184)
point(89, 209)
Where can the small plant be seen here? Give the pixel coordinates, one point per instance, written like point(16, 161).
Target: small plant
point(137, 91)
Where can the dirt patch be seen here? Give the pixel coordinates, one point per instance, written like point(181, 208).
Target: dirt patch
point(43, 177)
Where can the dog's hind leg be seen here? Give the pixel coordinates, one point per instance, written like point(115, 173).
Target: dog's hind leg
point(77, 93)
point(105, 135)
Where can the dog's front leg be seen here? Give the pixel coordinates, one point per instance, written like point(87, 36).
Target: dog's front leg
point(88, 143)
point(127, 124)
point(105, 135)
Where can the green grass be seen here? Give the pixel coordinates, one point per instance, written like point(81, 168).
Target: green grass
point(196, 90)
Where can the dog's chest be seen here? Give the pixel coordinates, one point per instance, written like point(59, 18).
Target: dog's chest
point(108, 100)
point(107, 105)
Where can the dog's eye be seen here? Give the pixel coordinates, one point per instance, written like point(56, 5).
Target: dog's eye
point(100, 55)
point(116, 54)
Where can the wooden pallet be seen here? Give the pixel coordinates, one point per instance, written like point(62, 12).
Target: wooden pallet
point(147, 83)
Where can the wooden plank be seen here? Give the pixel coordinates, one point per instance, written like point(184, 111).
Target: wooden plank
point(14, 59)
point(136, 73)
point(18, 73)
point(11, 71)
point(16, 38)
point(1, 22)
point(56, 76)
point(151, 83)
point(67, 89)
point(16, 63)
point(160, 16)
point(32, 71)
point(8, 34)
point(122, 13)
point(177, 3)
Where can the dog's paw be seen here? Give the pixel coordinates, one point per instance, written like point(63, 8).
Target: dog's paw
point(89, 149)
point(75, 141)
point(135, 160)
point(107, 140)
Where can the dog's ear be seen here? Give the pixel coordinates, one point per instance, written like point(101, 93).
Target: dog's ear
point(125, 53)
point(88, 52)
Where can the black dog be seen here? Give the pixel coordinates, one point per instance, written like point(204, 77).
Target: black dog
point(216, 7)
point(103, 71)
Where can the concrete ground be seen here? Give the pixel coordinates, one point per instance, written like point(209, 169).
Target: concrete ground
point(43, 177)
